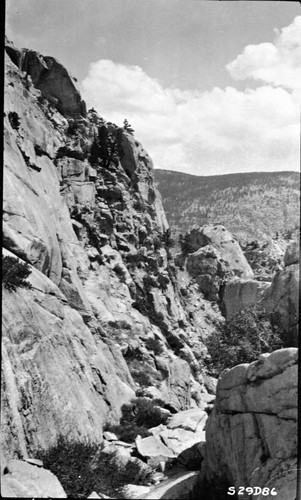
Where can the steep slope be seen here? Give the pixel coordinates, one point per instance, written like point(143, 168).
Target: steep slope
point(104, 317)
point(251, 205)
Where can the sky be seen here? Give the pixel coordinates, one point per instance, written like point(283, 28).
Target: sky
point(210, 87)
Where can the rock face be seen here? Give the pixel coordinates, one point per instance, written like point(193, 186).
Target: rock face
point(58, 378)
point(252, 432)
point(51, 78)
point(104, 317)
point(239, 294)
point(214, 257)
point(282, 297)
point(23, 480)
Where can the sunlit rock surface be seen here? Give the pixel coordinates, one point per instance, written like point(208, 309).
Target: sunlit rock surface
point(282, 297)
point(23, 480)
point(214, 257)
point(240, 294)
point(251, 435)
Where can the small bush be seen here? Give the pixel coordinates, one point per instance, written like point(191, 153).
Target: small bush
point(167, 239)
point(142, 378)
point(82, 467)
point(107, 149)
point(185, 244)
point(163, 282)
point(69, 153)
point(72, 128)
point(128, 432)
point(137, 417)
point(149, 281)
point(152, 265)
point(14, 274)
point(155, 345)
point(38, 150)
point(141, 304)
point(157, 242)
point(144, 412)
point(121, 273)
point(242, 338)
point(128, 127)
point(14, 120)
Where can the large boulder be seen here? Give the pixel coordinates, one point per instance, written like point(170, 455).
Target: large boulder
point(184, 430)
point(152, 446)
point(239, 294)
point(192, 457)
point(214, 257)
point(178, 385)
point(175, 388)
point(292, 254)
point(282, 297)
point(251, 435)
point(132, 491)
point(222, 240)
point(24, 480)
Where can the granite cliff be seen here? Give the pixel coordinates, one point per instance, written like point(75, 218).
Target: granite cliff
point(104, 317)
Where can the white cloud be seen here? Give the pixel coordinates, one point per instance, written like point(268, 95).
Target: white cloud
point(127, 87)
point(278, 63)
point(218, 131)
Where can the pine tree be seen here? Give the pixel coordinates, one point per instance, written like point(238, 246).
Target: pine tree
point(128, 127)
point(14, 274)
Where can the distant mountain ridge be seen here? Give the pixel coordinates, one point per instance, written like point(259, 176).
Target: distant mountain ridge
point(253, 205)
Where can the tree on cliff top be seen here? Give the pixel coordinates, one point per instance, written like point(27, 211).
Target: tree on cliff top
point(128, 127)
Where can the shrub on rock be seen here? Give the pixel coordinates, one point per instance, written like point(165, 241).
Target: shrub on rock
point(137, 417)
point(14, 273)
point(82, 467)
point(242, 338)
point(14, 120)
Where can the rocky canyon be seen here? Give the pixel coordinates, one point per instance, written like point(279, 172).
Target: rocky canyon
point(111, 316)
